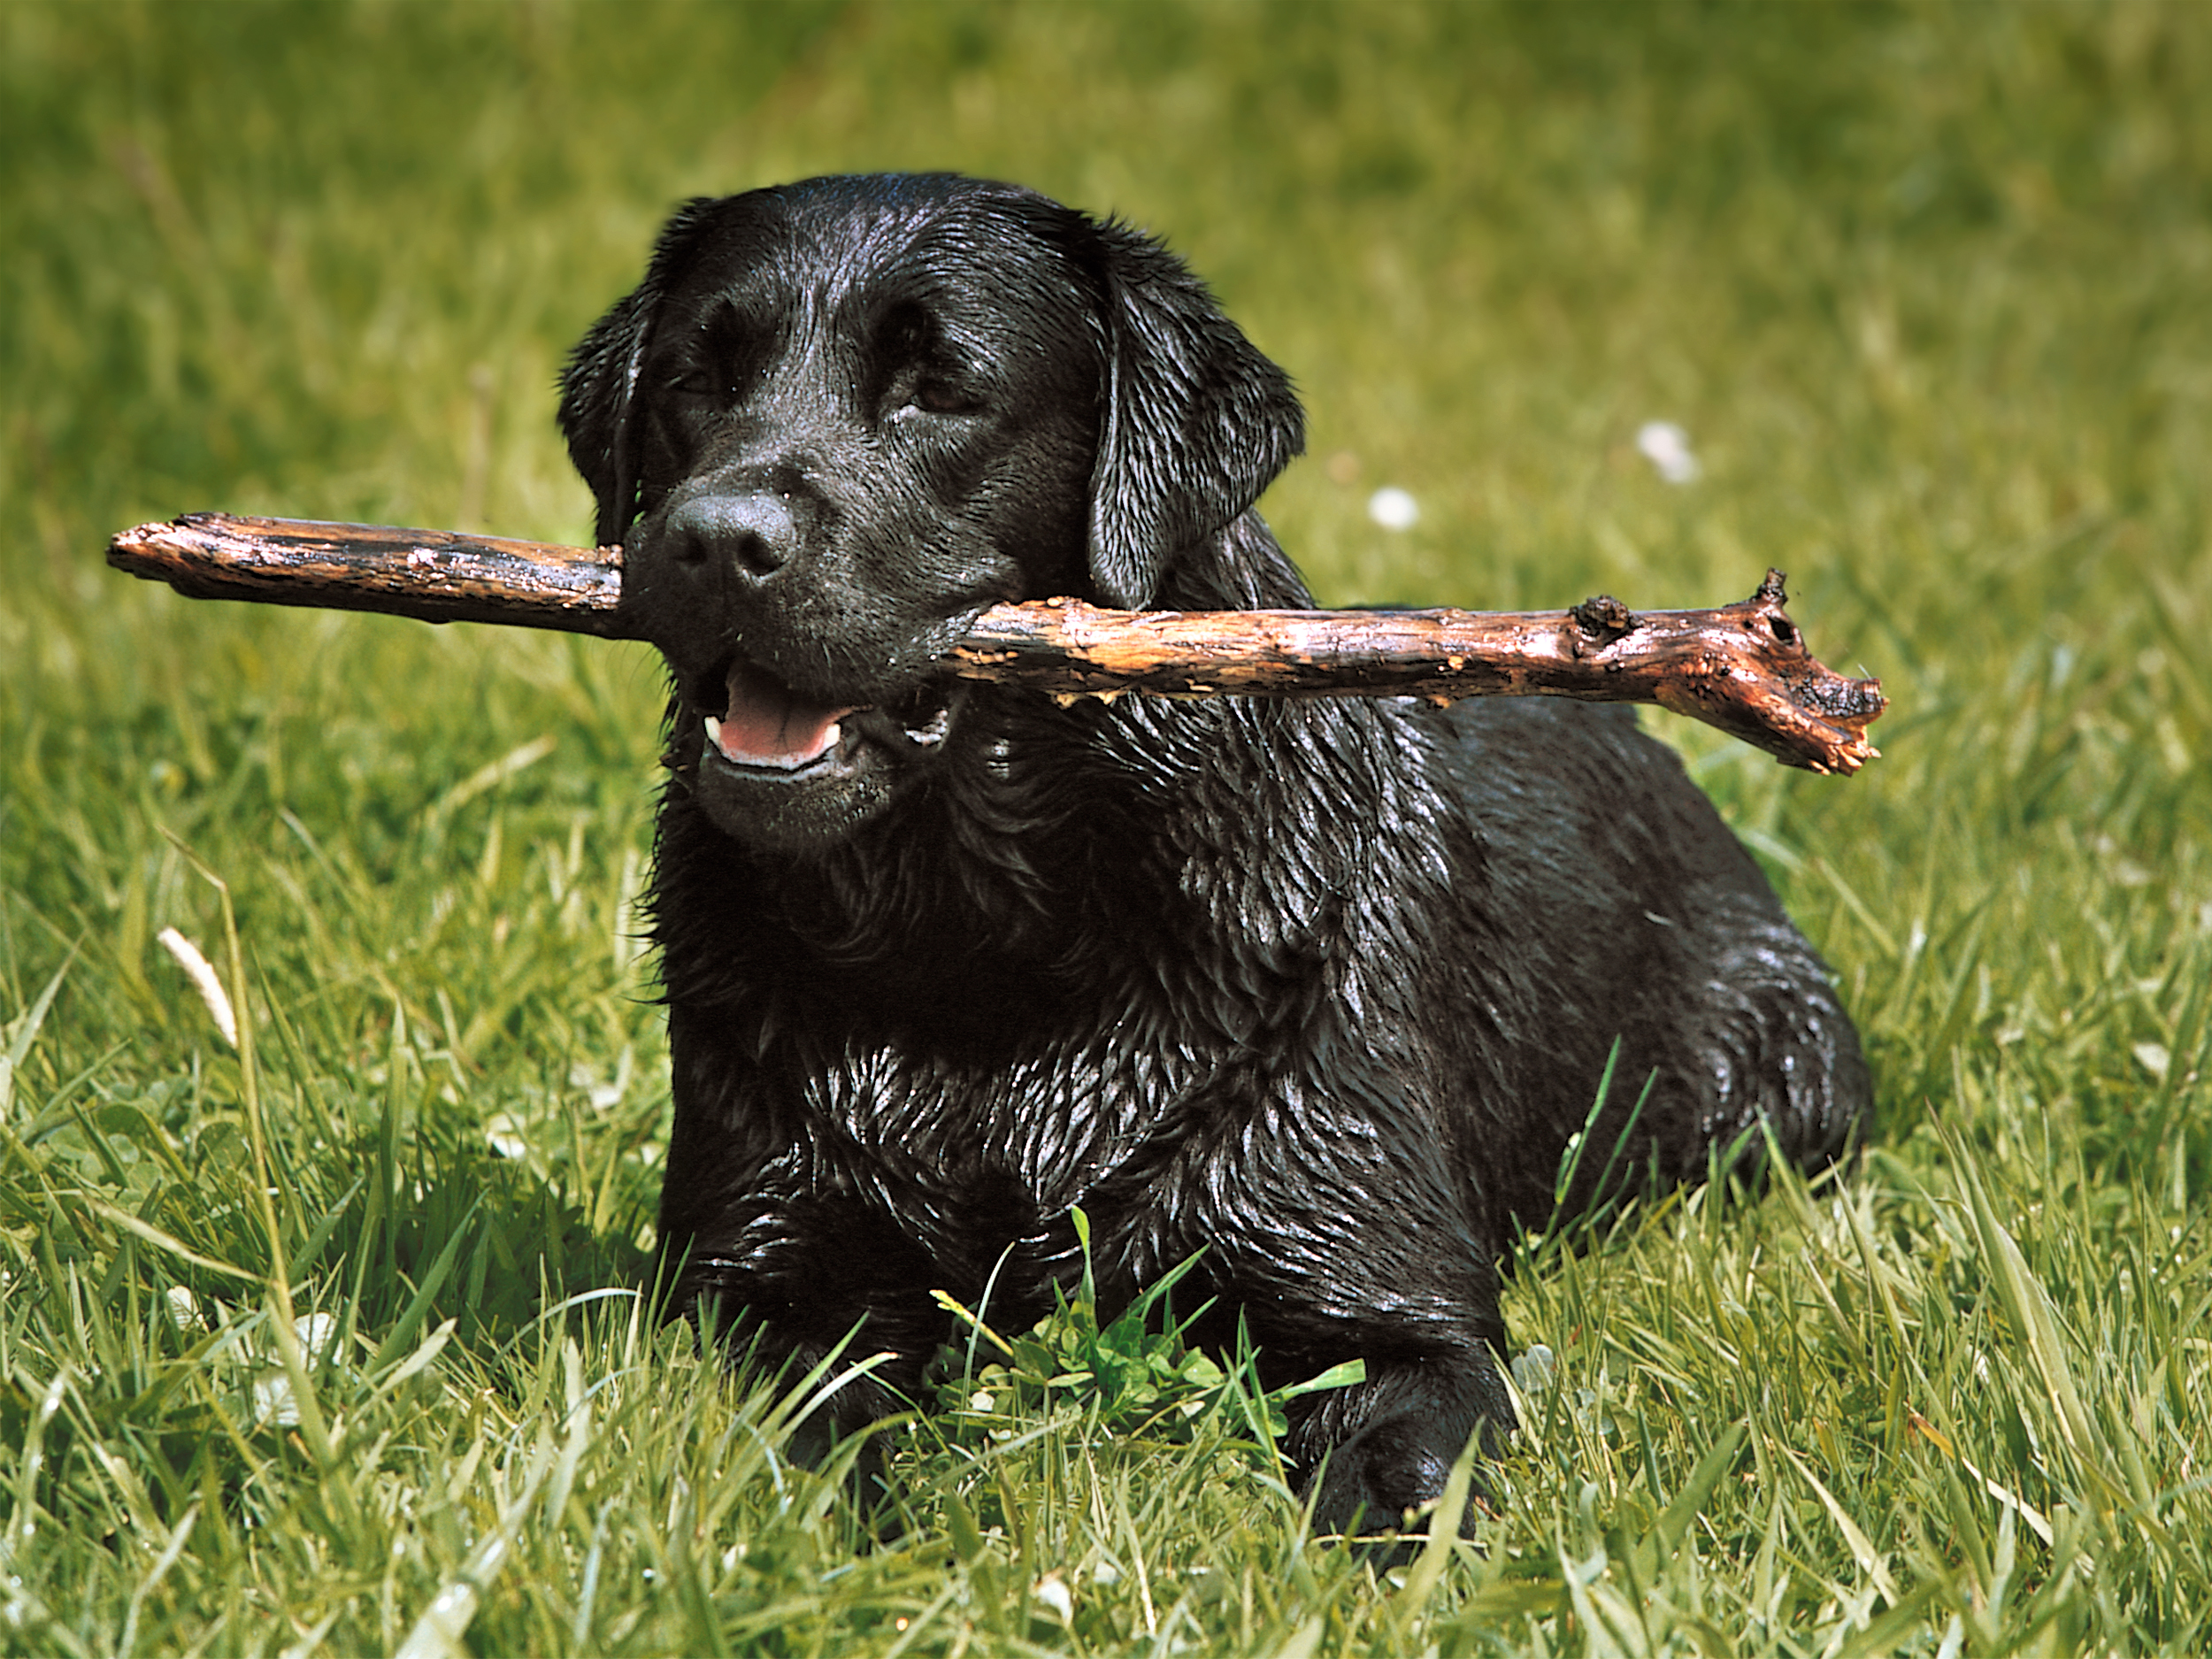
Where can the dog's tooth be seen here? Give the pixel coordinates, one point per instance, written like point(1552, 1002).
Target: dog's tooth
point(714, 731)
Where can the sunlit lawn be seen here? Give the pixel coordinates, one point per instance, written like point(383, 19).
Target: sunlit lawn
point(337, 1351)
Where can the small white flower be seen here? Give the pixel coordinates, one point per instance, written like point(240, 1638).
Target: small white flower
point(1052, 1590)
point(272, 1401)
point(1393, 508)
point(184, 1309)
point(1667, 447)
point(204, 977)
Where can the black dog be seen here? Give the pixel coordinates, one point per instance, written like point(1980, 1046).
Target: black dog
point(1320, 988)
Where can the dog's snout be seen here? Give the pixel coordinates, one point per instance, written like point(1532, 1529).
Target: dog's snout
point(756, 531)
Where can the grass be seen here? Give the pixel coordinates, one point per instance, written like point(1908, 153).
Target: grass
point(325, 1343)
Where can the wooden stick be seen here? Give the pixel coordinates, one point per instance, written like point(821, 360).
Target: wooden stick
point(1744, 668)
point(432, 575)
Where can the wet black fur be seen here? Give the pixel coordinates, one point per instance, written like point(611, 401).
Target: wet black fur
point(1319, 988)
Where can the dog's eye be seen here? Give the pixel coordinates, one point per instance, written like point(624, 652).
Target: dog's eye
point(942, 397)
point(697, 383)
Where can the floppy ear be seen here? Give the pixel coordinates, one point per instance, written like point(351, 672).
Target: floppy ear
point(1194, 421)
point(599, 386)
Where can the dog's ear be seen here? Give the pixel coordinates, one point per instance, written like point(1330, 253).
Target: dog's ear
point(1194, 423)
point(599, 386)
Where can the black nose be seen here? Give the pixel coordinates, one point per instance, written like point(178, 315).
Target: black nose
point(754, 531)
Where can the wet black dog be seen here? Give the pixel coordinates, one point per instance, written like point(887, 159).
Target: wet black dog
point(1319, 989)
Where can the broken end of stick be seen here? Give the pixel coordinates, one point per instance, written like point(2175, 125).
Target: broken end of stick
point(431, 575)
point(1830, 733)
point(1846, 757)
point(132, 550)
point(1822, 724)
point(1794, 732)
point(176, 551)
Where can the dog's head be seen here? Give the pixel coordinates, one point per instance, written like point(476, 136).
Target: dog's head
point(838, 419)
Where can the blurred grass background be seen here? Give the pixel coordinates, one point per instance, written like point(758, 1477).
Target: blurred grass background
point(1926, 286)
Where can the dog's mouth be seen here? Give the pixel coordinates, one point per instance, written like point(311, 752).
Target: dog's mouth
point(769, 730)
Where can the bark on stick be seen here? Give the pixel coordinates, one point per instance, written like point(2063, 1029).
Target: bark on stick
point(1744, 668)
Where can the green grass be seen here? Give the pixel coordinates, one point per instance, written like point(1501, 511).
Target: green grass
point(331, 1349)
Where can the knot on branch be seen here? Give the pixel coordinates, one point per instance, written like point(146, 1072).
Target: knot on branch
point(1603, 618)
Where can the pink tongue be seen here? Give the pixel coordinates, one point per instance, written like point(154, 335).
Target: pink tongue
point(766, 725)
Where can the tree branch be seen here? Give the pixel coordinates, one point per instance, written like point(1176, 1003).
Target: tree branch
point(1744, 668)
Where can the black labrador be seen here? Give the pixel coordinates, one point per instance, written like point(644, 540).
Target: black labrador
point(1320, 989)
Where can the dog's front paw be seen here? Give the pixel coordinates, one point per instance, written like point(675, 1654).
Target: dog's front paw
point(1377, 1477)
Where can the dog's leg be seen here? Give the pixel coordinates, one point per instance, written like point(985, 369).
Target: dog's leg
point(1342, 1236)
point(780, 1268)
point(1413, 1418)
